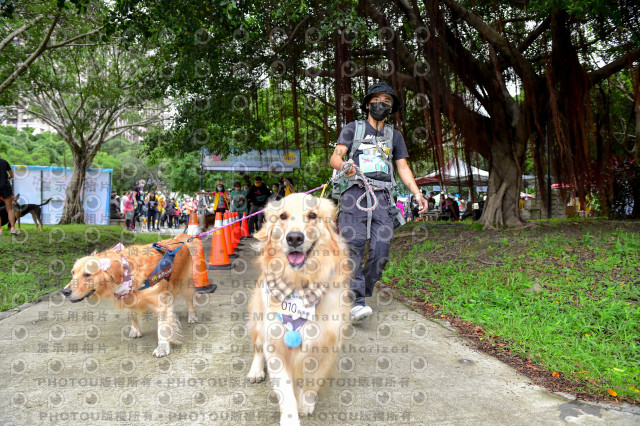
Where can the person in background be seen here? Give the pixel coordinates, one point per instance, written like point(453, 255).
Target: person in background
point(220, 199)
point(275, 192)
point(431, 200)
point(162, 216)
point(6, 193)
point(114, 206)
point(286, 186)
point(128, 210)
point(463, 204)
point(452, 208)
point(170, 210)
point(189, 207)
point(258, 196)
point(138, 204)
point(238, 198)
point(152, 211)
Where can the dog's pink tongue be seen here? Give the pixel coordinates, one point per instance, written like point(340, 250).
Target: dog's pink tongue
point(295, 257)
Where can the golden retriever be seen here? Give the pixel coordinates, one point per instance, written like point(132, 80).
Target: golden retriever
point(100, 275)
point(300, 252)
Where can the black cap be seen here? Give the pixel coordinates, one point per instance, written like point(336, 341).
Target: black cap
point(381, 87)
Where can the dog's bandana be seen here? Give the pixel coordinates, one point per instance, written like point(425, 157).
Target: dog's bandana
point(310, 294)
point(126, 282)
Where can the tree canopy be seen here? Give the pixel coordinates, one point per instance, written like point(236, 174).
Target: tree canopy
point(550, 85)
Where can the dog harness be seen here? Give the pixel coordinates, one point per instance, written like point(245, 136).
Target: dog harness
point(379, 159)
point(164, 268)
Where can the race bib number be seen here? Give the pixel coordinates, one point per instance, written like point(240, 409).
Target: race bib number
point(371, 161)
point(291, 306)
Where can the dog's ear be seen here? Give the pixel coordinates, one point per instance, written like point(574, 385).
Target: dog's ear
point(327, 213)
point(94, 252)
point(261, 235)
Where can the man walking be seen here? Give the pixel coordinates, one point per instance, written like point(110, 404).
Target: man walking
point(258, 196)
point(372, 146)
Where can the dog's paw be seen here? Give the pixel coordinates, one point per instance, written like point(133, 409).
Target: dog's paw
point(256, 376)
point(192, 319)
point(134, 333)
point(306, 410)
point(163, 349)
point(307, 403)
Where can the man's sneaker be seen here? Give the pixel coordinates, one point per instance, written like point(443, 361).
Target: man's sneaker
point(360, 313)
point(14, 231)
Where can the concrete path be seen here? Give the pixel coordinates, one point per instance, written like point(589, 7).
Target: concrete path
point(73, 364)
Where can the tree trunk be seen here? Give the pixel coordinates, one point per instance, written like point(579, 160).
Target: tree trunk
point(503, 193)
point(294, 101)
point(73, 211)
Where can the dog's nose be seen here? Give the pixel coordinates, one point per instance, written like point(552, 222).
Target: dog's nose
point(66, 292)
point(295, 239)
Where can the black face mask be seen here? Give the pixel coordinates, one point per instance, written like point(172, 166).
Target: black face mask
point(379, 110)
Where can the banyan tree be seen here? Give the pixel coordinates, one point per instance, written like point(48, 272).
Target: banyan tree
point(505, 80)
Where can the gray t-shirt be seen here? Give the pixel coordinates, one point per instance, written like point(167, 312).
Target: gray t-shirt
point(367, 157)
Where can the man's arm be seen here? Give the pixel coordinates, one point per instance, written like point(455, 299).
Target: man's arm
point(406, 175)
point(336, 159)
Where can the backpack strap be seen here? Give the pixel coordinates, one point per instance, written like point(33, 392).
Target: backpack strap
point(358, 136)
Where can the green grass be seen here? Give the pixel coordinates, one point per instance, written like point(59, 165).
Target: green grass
point(36, 263)
point(583, 319)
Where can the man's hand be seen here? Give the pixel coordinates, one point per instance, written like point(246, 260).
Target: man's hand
point(351, 170)
point(422, 203)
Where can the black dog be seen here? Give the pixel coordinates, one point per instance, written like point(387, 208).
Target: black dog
point(19, 211)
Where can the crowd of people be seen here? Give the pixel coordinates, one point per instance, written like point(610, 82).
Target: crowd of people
point(152, 210)
point(448, 207)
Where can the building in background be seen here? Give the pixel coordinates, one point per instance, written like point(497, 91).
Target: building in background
point(18, 118)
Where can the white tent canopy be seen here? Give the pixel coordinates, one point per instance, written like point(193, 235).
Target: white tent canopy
point(454, 172)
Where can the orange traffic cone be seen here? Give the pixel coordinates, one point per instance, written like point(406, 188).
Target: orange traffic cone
point(235, 235)
point(227, 237)
point(200, 278)
point(192, 229)
point(237, 229)
point(218, 258)
point(245, 226)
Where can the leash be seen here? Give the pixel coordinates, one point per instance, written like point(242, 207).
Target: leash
point(369, 191)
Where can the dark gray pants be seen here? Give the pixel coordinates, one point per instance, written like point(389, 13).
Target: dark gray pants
point(352, 224)
point(255, 222)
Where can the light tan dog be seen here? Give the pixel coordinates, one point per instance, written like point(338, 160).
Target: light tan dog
point(100, 275)
point(300, 253)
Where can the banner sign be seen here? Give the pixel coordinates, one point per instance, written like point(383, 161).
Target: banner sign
point(268, 160)
point(36, 184)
